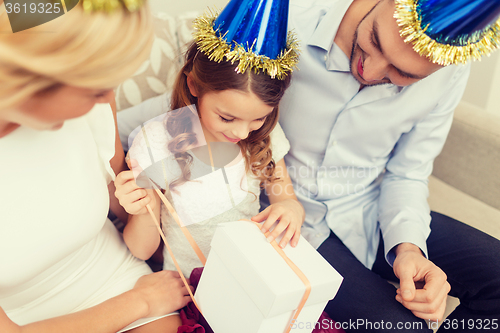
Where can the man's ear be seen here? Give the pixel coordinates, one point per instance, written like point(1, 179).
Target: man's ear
point(191, 85)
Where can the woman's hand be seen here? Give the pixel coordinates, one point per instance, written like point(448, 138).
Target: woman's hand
point(153, 295)
point(163, 292)
point(290, 214)
point(132, 197)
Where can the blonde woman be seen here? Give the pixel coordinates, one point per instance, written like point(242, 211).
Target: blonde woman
point(64, 267)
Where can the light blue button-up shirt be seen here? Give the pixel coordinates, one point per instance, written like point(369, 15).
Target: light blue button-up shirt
point(360, 160)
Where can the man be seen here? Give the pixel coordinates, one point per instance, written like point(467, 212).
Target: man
point(366, 115)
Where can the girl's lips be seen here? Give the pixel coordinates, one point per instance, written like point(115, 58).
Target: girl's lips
point(232, 140)
point(360, 67)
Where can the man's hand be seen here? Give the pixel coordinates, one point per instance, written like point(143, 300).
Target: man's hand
point(423, 286)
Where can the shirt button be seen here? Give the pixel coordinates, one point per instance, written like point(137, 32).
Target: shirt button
point(319, 235)
point(334, 143)
point(326, 57)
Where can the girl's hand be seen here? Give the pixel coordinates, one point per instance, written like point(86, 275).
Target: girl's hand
point(133, 198)
point(290, 214)
point(163, 292)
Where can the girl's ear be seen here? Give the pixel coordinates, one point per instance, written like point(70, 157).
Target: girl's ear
point(191, 85)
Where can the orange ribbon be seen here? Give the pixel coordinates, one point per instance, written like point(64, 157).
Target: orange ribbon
point(297, 271)
point(172, 255)
point(186, 232)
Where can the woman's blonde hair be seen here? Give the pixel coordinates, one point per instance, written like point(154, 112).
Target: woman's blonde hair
point(97, 50)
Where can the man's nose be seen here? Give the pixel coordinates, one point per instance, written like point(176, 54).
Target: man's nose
point(374, 69)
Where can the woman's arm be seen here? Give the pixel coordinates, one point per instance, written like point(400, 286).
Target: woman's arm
point(153, 295)
point(118, 165)
point(284, 207)
point(110, 316)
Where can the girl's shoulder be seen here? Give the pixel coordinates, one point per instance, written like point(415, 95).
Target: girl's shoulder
point(149, 143)
point(279, 143)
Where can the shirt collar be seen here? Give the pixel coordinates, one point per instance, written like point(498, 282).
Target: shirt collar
point(325, 32)
point(335, 59)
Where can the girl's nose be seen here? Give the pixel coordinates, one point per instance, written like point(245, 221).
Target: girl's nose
point(374, 69)
point(241, 131)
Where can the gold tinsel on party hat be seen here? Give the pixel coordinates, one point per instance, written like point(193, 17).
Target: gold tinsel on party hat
point(109, 6)
point(215, 46)
point(475, 45)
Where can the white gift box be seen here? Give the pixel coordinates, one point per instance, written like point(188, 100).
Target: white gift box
point(247, 287)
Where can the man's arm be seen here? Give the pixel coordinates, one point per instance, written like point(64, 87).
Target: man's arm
point(404, 213)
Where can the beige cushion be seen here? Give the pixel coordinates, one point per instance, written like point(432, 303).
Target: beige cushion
point(449, 201)
point(470, 160)
point(157, 74)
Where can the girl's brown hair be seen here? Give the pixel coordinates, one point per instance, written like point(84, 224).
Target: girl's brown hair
point(210, 76)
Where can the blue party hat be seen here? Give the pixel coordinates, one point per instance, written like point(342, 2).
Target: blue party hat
point(252, 33)
point(450, 31)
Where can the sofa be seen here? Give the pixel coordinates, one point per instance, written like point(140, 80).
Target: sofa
point(465, 183)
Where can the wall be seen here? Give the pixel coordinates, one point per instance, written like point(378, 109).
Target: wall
point(483, 88)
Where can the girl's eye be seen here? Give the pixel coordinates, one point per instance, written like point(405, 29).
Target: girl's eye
point(225, 119)
point(261, 119)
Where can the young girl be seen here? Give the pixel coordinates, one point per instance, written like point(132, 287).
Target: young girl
point(234, 108)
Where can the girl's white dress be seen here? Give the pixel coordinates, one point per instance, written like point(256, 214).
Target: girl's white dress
point(223, 195)
point(58, 251)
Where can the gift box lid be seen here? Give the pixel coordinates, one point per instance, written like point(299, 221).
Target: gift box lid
point(265, 276)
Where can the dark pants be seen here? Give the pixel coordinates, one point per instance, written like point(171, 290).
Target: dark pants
point(470, 258)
